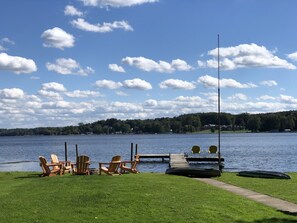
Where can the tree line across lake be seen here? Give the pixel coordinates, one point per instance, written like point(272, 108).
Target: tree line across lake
point(188, 123)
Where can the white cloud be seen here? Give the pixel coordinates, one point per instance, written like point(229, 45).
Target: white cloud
point(53, 86)
point(33, 104)
point(151, 103)
point(288, 99)
point(269, 83)
point(108, 84)
point(238, 96)
point(105, 27)
point(17, 64)
point(11, 93)
point(179, 64)
point(131, 84)
point(115, 3)
point(293, 56)
point(124, 107)
point(265, 97)
point(177, 84)
point(82, 94)
point(245, 55)
point(68, 66)
point(161, 66)
point(121, 93)
point(20, 110)
point(57, 38)
point(34, 78)
point(72, 11)
point(116, 68)
point(187, 98)
point(212, 82)
point(63, 104)
point(5, 41)
point(137, 84)
point(211, 96)
point(49, 94)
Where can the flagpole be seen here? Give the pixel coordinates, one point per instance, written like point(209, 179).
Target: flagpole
point(219, 106)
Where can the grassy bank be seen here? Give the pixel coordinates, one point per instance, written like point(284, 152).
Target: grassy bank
point(284, 189)
point(145, 197)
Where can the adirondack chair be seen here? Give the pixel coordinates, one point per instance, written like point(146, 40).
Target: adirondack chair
point(48, 169)
point(66, 165)
point(81, 167)
point(196, 149)
point(112, 168)
point(213, 149)
point(131, 167)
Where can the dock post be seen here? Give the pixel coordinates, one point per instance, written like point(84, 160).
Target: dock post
point(76, 151)
point(136, 149)
point(66, 152)
point(131, 157)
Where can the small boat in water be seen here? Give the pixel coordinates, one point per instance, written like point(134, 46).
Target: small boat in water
point(264, 174)
point(194, 172)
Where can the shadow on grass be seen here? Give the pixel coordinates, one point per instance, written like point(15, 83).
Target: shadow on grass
point(33, 175)
point(271, 220)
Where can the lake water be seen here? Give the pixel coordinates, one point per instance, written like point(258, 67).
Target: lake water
point(243, 151)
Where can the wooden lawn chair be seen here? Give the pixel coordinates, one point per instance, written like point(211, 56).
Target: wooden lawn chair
point(47, 171)
point(131, 167)
point(213, 149)
point(66, 165)
point(112, 168)
point(196, 149)
point(81, 166)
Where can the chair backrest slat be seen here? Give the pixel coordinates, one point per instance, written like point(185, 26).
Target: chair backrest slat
point(55, 159)
point(82, 164)
point(46, 170)
point(114, 164)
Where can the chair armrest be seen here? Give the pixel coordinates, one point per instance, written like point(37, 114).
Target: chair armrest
point(125, 162)
point(55, 164)
point(67, 163)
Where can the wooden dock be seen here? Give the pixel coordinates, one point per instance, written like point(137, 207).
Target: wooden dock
point(179, 158)
point(178, 161)
point(179, 165)
point(204, 159)
point(154, 156)
point(187, 159)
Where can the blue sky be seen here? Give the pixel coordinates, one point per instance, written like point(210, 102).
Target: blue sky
point(66, 62)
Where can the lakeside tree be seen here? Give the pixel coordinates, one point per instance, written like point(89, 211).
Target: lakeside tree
point(187, 123)
point(254, 123)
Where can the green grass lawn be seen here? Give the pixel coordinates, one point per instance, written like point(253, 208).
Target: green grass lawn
point(145, 197)
point(284, 189)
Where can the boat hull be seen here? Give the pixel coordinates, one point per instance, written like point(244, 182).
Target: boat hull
point(194, 172)
point(264, 174)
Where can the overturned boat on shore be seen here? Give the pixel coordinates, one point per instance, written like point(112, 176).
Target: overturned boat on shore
point(264, 174)
point(194, 172)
